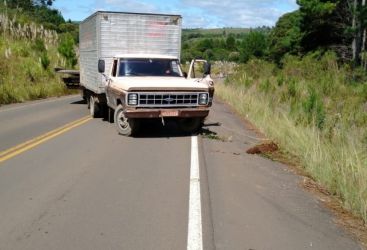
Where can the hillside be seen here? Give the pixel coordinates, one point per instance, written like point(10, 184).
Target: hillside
point(29, 52)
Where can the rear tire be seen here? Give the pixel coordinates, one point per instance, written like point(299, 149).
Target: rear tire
point(94, 108)
point(190, 125)
point(124, 125)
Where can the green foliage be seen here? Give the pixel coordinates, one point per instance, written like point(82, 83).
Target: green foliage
point(254, 45)
point(286, 37)
point(324, 23)
point(26, 74)
point(66, 48)
point(39, 45)
point(224, 44)
point(20, 4)
point(50, 18)
point(38, 11)
point(26, 58)
point(45, 61)
point(313, 109)
point(71, 28)
point(231, 43)
point(318, 25)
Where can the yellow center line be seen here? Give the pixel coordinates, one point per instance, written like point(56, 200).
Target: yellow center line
point(16, 150)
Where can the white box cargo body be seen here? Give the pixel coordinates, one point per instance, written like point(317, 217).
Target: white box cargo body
point(107, 34)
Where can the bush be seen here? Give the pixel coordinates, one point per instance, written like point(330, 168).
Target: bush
point(45, 61)
point(39, 46)
point(312, 109)
point(66, 48)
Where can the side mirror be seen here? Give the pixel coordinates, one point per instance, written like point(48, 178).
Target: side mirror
point(207, 68)
point(101, 66)
point(184, 74)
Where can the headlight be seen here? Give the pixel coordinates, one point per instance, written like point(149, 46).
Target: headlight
point(132, 99)
point(203, 98)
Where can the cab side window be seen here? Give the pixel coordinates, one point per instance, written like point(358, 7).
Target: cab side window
point(114, 68)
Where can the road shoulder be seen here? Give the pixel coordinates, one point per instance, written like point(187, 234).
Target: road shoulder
point(257, 203)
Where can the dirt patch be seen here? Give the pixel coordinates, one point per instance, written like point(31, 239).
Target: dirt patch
point(264, 148)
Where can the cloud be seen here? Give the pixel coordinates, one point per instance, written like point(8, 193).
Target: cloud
point(240, 13)
point(127, 6)
point(196, 13)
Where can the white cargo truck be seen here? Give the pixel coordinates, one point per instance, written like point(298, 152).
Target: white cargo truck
point(130, 67)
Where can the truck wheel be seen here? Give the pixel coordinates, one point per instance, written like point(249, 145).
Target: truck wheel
point(190, 125)
point(83, 94)
point(88, 102)
point(124, 125)
point(94, 107)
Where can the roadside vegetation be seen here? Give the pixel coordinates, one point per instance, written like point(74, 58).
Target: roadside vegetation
point(313, 109)
point(304, 84)
point(34, 39)
point(227, 44)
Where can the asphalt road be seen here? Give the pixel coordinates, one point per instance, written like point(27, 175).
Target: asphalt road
point(85, 187)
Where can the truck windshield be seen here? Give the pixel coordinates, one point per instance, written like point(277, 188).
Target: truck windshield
point(149, 67)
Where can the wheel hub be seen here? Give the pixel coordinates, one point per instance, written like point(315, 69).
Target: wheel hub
point(122, 120)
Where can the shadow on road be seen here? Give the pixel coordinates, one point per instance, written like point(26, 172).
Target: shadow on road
point(79, 102)
point(155, 129)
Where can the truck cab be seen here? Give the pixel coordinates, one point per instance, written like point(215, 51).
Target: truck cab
point(153, 86)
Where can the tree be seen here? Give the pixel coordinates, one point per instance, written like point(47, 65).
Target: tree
point(49, 17)
point(254, 45)
point(286, 36)
point(359, 29)
point(332, 24)
point(231, 43)
point(20, 4)
point(44, 2)
point(205, 44)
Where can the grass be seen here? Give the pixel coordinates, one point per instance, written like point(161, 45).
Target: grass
point(26, 63)
point(315, 109)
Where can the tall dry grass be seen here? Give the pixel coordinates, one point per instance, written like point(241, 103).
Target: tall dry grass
point(28, 54)
point(315, 109)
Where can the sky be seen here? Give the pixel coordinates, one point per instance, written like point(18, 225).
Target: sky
point(195, 13)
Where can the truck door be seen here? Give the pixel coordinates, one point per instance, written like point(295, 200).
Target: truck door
point(200, 71)
point(111, 98)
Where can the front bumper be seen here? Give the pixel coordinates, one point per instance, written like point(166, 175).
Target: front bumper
point(158, 113)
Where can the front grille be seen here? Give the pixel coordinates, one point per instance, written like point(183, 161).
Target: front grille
point(168, 99)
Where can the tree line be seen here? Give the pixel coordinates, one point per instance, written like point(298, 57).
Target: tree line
point(42, 13)
point(318, 25)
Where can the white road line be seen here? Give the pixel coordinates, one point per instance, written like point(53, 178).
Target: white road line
point(194, 236)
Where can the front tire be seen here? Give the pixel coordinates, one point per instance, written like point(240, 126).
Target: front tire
point(124, 125)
